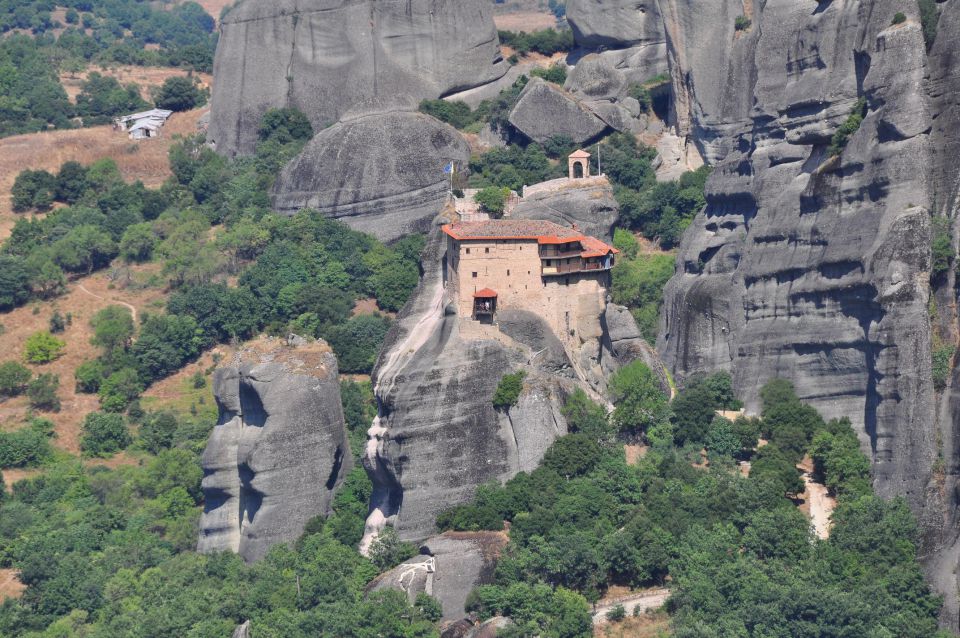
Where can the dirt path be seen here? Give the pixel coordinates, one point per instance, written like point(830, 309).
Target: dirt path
point(642, 601)
point(10, 585)
point(132, 310)
point(817, 503)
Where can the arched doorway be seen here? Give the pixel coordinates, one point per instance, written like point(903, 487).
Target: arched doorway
point(577, 170)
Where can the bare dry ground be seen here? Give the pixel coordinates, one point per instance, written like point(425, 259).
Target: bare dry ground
point(655, 625)
point(10, 586)
point(84, 298)
point(145, 160)
point(528, 21)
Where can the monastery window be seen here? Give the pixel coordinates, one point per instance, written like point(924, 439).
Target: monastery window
point(487, 249)
point(474, 275)
point(468, 251)
point(508, 272)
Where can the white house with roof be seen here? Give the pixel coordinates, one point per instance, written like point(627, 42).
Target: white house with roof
point(143, 125)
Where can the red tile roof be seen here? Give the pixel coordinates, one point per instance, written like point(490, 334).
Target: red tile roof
point(486, 293)
point(542, 231)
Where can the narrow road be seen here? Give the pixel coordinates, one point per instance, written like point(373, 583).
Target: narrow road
point(644, 602)
point(132, 310)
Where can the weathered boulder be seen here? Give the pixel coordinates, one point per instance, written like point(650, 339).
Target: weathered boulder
point(596, 78)
point(448, 567)
point(615, 23)
point(242, 631)
point(380, 169)
point(324, 56)
point(589, 204)
point(544, 110)
point(279, 450)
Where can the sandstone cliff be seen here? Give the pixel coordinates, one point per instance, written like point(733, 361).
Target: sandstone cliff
point(324, 56)
point(279, 449)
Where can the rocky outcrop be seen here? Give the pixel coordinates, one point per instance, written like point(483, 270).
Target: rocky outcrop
point(803, 265)
point(380, 169)
point(279, 450)
point(589, 204)
point(324, 56)
point(615, 23)
point(448, 567)
point(544, 110)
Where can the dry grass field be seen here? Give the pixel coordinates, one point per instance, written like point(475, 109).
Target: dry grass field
point(655, 625)
point(145, 160)
point(528, 21)
point(145, 77)
point(85, 297)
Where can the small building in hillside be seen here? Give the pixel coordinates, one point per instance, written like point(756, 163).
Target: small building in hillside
point(554, 271)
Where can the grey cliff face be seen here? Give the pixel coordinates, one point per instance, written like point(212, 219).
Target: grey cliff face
point(380, 170)
point(616, 23)
point(279, 450)
point(324, 56)
point(448, 567)
point(803, 266)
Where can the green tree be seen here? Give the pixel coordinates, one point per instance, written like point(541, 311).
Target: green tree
point(508, 390)
point(42, 392)
point(89, 375)
point(358, 341)
point(157, 431)
point(640, 403)
point(42, 347)
point(104, 434)
point(137, 243)
point(15, 282)
point(13, 378)
point(179, 94)
point(113, 330)
point(492, 200)
point(119, 389)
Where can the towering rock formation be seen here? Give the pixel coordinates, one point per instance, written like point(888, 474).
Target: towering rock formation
point(811, 264)
point(380, 169)
point(629, 32)
point(279, 449)
point(438, 436)
point(324, 56)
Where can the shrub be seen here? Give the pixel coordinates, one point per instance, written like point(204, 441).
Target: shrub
point(13, 378)
point(556, 73)
point(848, 128)
point(285, 125)
point(641, 404)
point(742, 23)
point(358, 341)
point(138, 243)
point(89, 376)
point(43, 347)
point(157, 431)
point(942, 357)
point(26, 447)
point(508, 390)
point(388, 550)
point(898, 18)
point(57, 323)
point(104, 434)
point(119, 389)
point(941, 248)
point(457, 114)
point(112, 329)
point(33, 190)
point(617, 613)
point(929, 19)
point(493, 200)
point(42, 392)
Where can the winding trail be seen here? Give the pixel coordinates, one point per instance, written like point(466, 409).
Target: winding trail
point(132, 310)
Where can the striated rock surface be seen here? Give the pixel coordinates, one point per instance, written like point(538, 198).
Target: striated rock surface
point(816, 268)
point(279, 450)
point(589, 204)
point(615, 23)
point(448, 567)
point(545, 110)
point(626, 344)
point(379, 169)
point(324, 56)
